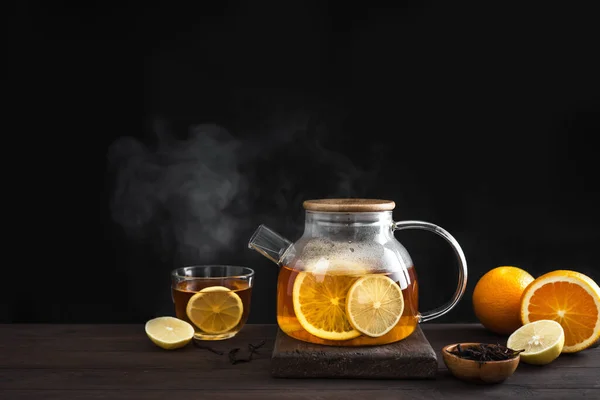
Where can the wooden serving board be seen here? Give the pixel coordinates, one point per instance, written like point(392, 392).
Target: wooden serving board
point(411, 358)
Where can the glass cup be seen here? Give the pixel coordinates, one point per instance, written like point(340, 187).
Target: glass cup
point(222, 309)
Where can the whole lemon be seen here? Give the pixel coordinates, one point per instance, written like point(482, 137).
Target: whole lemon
point(497, 298)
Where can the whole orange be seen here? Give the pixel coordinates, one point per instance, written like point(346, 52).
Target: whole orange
point(497, 298)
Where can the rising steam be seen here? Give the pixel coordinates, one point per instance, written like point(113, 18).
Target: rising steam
point(189, 197)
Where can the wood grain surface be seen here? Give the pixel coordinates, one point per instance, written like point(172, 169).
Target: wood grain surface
point(119, 362)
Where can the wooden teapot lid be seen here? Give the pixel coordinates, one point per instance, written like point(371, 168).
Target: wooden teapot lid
point(349, 205)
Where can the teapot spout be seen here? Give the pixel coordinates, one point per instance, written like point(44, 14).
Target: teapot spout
point(270, 244)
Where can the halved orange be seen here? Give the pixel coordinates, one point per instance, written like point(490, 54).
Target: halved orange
point(320, 304)
point(570, 298)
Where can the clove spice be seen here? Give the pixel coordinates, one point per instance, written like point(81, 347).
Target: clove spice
point(232, 357)
point(205, 347)
point(234, 354)
point(485, 352)
point(252, 349)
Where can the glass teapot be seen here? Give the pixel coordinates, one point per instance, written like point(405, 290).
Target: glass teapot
point(347, 281)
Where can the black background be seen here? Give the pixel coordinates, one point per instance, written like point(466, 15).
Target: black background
point(163, 136)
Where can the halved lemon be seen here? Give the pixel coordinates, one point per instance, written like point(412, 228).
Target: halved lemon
point(215, 309)
point(320, 304)
point(542, 341)
point(570, 298)
point(374, 305)
point(169, 333)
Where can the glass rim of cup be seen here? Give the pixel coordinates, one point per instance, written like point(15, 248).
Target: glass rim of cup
point(176, 274)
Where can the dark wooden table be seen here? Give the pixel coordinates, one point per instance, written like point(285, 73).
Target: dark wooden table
point(119, 362)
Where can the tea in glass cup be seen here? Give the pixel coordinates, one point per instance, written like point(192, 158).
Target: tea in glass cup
point(214, 299)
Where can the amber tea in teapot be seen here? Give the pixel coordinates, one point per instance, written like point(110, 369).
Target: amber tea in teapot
point(347, 281)
point(288, 321)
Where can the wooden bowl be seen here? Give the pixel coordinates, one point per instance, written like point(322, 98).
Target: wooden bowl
point(475, 371)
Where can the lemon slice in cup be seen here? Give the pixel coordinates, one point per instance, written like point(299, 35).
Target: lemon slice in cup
point(215, 309)
point(542, 341)
point(374, 305)
point(169, 333)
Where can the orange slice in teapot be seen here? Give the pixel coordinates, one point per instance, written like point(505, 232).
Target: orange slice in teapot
point(320, 304)
point(374, 305)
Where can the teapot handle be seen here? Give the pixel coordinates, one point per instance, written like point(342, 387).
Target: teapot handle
point(462, 265)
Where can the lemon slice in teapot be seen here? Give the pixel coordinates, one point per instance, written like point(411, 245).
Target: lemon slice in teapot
point(374, 305)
